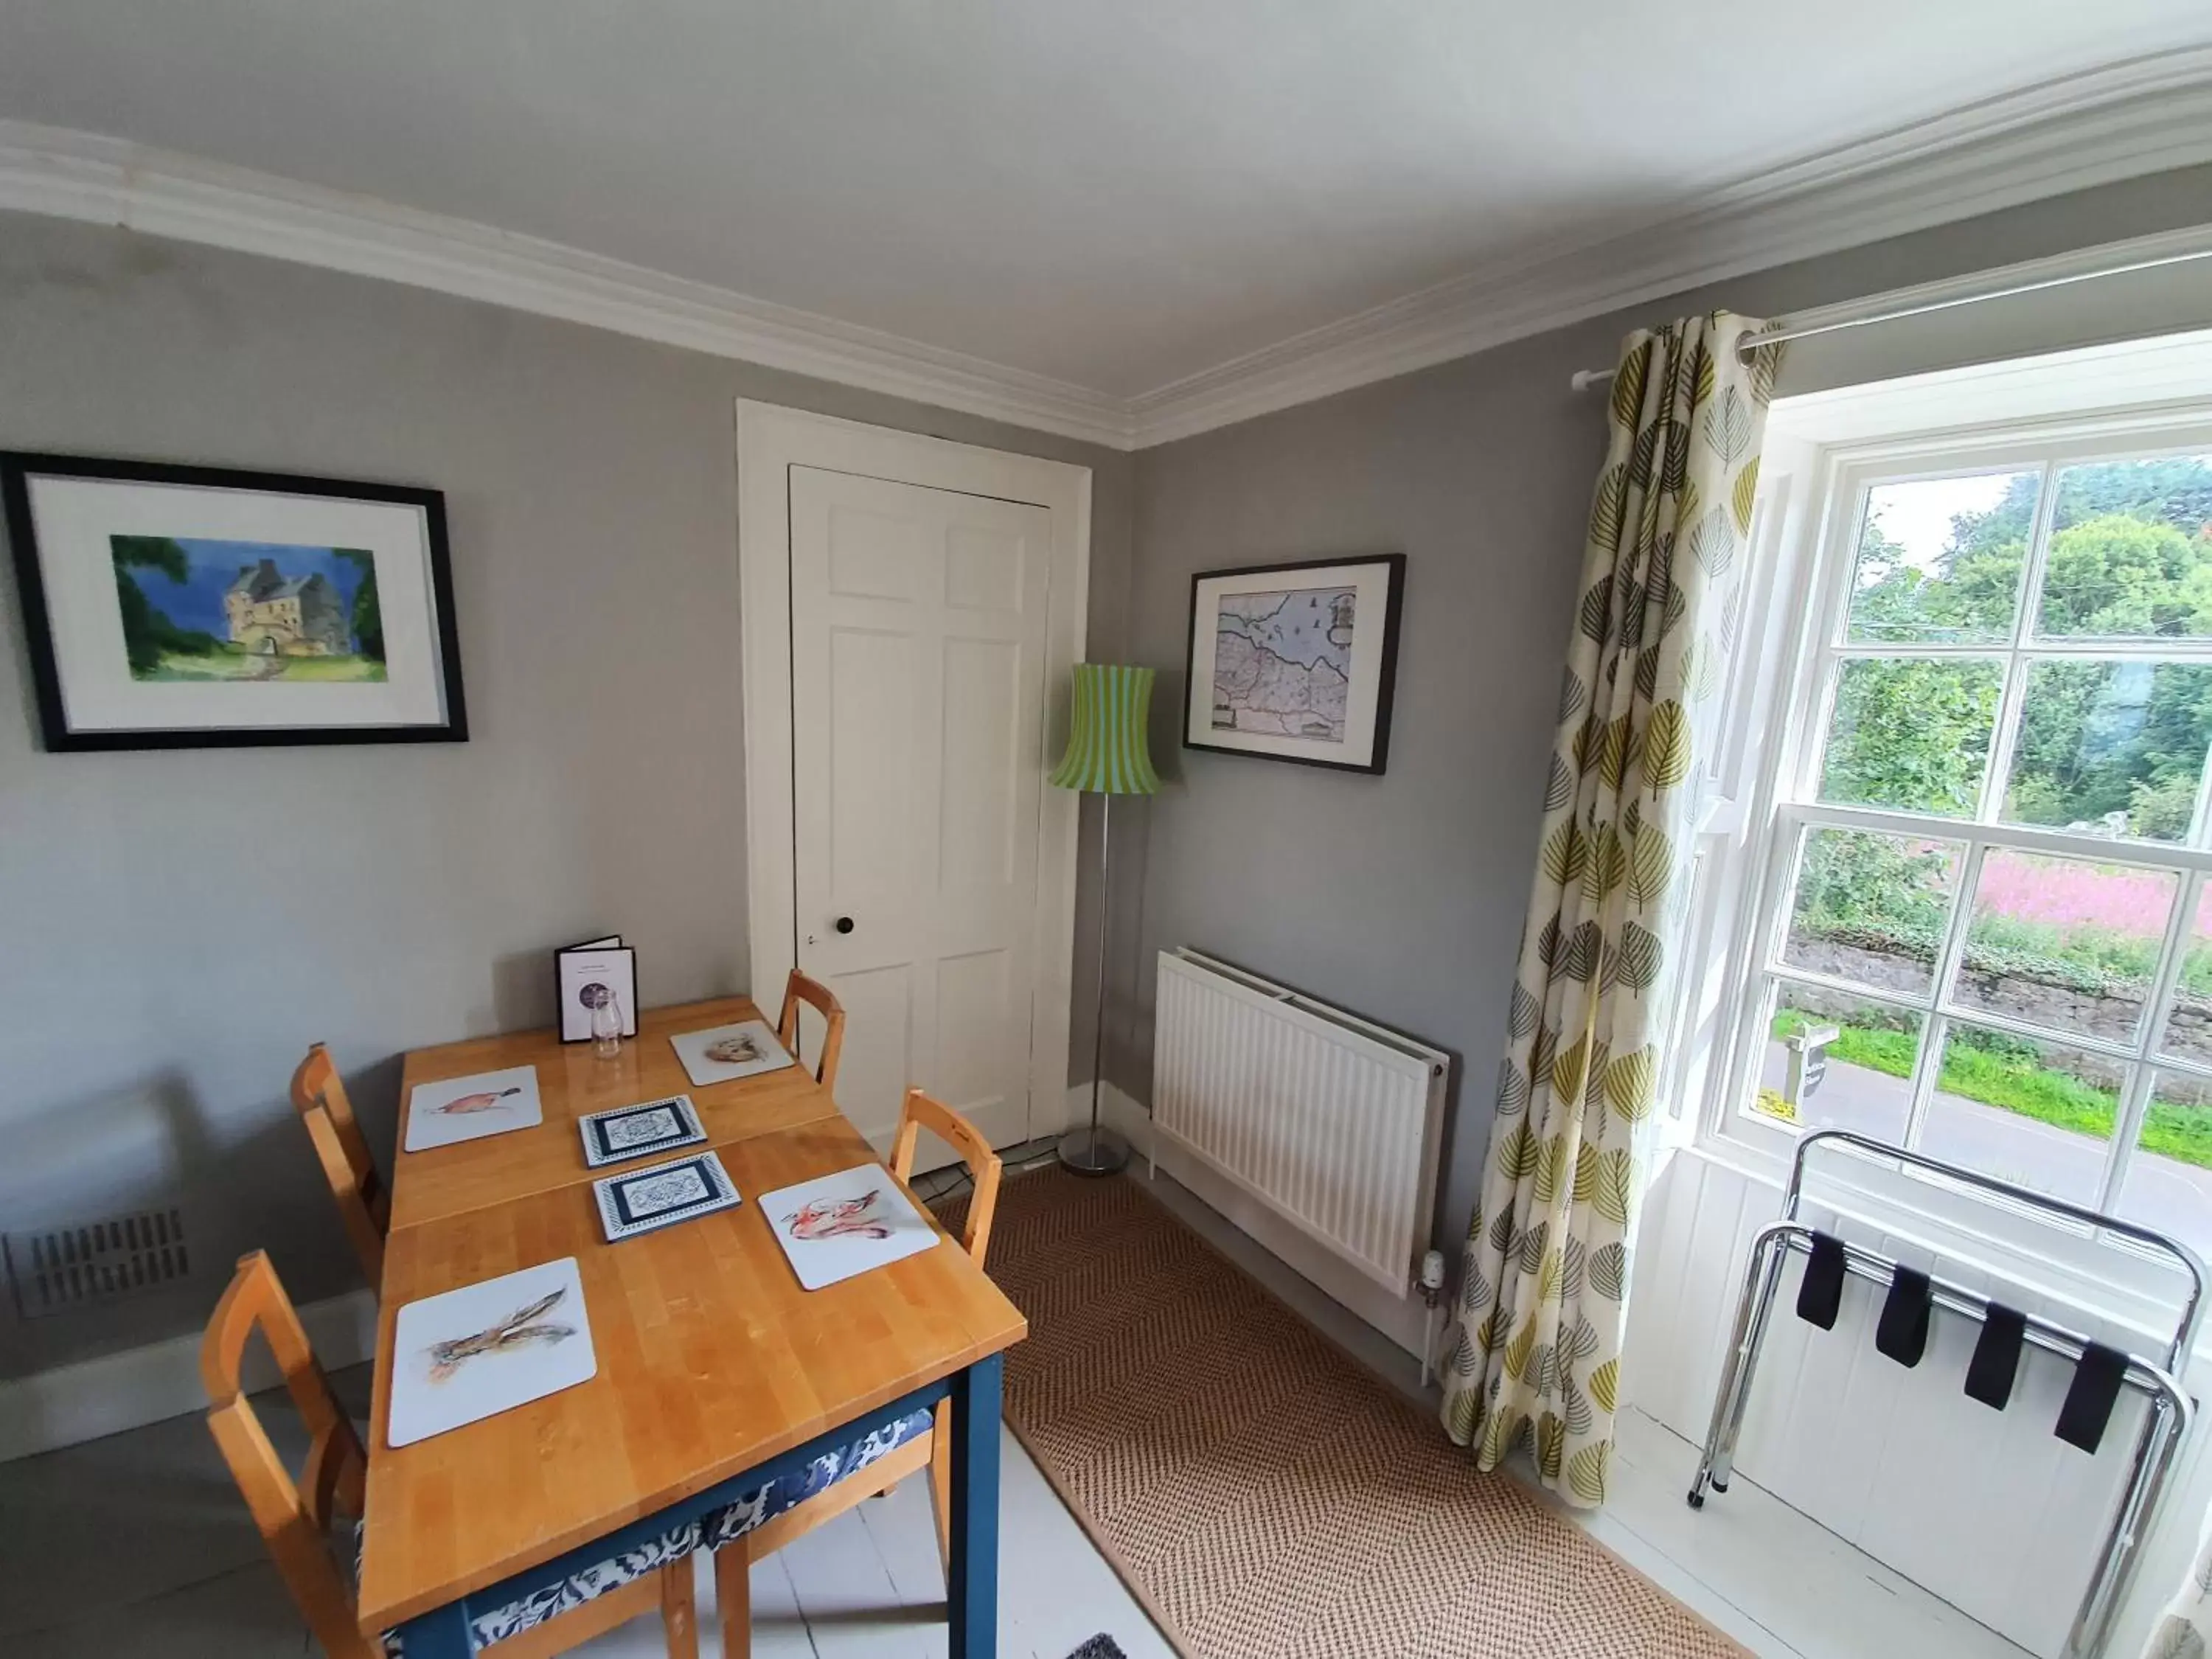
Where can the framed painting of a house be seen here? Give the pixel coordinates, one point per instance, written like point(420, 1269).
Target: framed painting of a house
point(175, 607)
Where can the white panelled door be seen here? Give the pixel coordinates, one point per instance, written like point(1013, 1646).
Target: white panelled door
point(918, 633)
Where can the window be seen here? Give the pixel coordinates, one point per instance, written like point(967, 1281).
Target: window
point(1982, 925)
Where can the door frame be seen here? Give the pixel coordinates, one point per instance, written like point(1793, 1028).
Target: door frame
point(773, 439)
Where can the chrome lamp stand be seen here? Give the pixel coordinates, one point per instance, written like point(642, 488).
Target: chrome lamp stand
point(1090, 1150)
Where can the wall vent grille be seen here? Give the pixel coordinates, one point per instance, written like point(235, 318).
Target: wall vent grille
point(61, 1269)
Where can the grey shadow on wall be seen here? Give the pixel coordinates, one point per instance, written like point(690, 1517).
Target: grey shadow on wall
point(146, 1145)
point(152, 1145)
point(136, 1145)
point(373, 1090)
point(1444, 1227)
point(1128, 987)
point(1165, 734)
point(1128, 1011)
point(1128, 1017)
point(521, 993)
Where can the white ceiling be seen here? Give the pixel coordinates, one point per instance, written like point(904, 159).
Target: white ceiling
point(1118, 194)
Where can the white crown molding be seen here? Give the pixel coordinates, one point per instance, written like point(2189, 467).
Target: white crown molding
point(2119, 122)
point(79, 175)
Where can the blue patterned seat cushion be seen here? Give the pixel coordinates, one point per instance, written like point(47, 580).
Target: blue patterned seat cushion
point(713, 1529)
point(624, 1567)
point(773, 1497)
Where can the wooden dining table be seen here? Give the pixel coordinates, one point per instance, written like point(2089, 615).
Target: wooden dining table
point(716, 1371)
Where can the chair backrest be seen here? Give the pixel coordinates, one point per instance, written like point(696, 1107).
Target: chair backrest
point(293, 1516)
point(922, 1112)
point(319, 1096)
point(799, 989)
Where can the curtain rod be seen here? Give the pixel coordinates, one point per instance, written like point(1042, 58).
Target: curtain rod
point(1584, 378)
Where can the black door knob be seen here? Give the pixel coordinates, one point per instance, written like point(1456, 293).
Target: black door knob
point(844, 924)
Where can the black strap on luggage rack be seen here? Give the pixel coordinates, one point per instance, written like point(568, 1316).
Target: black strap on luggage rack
point(2164, 1429)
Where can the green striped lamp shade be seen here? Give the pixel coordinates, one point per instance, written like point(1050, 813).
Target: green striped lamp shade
point(1106, 752)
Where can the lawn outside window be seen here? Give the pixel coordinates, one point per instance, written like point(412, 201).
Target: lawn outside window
point(1979, 843)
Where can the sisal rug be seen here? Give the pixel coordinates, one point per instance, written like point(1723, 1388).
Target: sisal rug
point(1261, 1493)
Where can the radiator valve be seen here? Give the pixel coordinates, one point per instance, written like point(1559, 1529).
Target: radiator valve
point(1432, 1287)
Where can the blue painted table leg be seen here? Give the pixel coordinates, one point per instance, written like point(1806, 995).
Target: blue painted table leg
point(971, 1586)
point(442, 1633)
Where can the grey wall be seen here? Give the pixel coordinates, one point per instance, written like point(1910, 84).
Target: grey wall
point(1402, 897)
point(179, 926)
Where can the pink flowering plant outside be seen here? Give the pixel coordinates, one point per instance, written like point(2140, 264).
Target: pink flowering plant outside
point(2110, 918)
point(2092, 928)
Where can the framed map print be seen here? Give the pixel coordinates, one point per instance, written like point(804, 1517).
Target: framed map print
point(1296, 662)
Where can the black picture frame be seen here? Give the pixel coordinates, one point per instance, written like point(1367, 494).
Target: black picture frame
point(19, 467)
point(1386, 689)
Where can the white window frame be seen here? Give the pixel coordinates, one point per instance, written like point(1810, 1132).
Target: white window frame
point(1806, 534)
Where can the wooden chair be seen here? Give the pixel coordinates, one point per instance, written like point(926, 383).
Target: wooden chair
point(319, 1096)
point(799, 989)
point(296, 1516)
point(930, 1449)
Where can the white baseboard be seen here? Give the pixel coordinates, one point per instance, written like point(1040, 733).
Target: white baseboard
point(69, 1404)
point(1401, 1319)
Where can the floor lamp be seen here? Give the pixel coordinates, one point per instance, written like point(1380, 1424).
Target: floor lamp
point(1106, 757)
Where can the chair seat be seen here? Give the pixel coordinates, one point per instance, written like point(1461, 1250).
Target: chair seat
point(763, 1505)
point(717, 1528)
point(526, 1613)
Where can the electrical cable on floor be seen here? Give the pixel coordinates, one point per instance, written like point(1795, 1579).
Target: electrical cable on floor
point(1027, 1155)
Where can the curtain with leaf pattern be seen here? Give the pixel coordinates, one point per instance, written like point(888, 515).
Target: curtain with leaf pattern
point(1544, 1286)
point(2184, 1630)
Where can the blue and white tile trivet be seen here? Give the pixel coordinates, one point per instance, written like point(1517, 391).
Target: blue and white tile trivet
point(662, 1194)
point(651, 1125)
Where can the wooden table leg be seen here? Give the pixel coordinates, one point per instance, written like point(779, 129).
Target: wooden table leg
point(971, 1584)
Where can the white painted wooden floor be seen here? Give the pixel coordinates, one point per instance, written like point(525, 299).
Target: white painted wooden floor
point(138, 1545)
point(1771, 1576)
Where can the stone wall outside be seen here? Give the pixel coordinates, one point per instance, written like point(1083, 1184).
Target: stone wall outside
point(2018, 996)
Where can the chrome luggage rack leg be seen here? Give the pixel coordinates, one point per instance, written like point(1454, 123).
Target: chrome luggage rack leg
point(2164, 1430)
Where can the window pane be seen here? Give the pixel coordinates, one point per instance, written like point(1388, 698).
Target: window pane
point(2037, 1113)
point(2169, 1181)
point(1913, 733)
point(2187, 1031)
point(2129, 558)
point(1939, 561)
point(2064, 943)
point(1866, 1082)
point(1872, 908)
point(2111, 748)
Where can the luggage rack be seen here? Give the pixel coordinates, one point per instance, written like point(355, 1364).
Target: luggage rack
point(2164, 1429)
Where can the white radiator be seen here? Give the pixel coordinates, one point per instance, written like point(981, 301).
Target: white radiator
point(1327, 1120)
